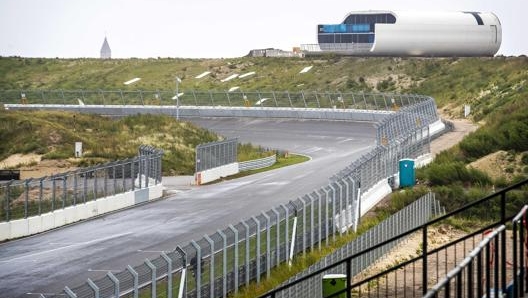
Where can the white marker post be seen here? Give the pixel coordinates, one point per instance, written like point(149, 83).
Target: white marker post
point(292, 246)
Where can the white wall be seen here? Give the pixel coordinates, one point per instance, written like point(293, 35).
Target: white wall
point(216, 173)
point(37, 224)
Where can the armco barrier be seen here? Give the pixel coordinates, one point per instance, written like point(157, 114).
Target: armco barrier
point(257, 163)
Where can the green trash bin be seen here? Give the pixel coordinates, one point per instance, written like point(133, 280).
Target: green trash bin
point(333, 283)
point(407, 177)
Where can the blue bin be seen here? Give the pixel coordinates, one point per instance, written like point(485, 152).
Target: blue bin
point(407, 176)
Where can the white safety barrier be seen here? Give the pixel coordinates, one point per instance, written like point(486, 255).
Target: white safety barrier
point(216, 173)
point(61, 217)
point(375, 194)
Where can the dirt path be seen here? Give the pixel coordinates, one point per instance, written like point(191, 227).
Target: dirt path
point(462, 128)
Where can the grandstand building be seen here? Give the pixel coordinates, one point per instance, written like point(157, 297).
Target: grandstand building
point(398, 33)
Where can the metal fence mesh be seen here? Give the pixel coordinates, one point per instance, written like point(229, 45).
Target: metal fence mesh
point(221, 262)
point(33, 197)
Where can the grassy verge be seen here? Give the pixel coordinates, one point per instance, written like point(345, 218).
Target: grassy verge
point(282, 161)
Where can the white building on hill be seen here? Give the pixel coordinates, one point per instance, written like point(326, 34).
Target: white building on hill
point(399, 33)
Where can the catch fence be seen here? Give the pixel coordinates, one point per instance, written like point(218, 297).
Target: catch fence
point(299, 99)
point(216, 154)
point(222, 262)
point(36, 196)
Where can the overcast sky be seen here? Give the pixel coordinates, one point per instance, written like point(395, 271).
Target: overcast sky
point(205, 28)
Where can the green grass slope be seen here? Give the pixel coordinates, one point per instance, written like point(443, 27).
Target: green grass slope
point(53, 135)
point(484, 83)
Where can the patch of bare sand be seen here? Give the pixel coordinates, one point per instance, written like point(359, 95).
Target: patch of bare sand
point(33, 166)
point(17, 160)
point(462, 128)
point(500, 164)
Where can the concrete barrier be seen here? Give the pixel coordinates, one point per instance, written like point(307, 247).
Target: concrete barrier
point(436, 127)
point(19, 228)
point(37, 224)
point(216, 173)
point(373, 195)
point(5, 230)
point(215, 111)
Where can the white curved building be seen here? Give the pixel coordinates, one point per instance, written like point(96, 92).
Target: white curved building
point(399, 33)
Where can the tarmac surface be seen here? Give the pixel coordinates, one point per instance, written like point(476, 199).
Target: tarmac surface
point(48, 262)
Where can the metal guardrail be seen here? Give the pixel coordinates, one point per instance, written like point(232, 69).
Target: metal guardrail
point(257, 163)
point(33, 197)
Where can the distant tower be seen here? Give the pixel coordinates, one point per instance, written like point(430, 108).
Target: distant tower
point(106, 53)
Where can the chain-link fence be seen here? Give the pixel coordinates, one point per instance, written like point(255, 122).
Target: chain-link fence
point(298, 99)
point(221, 262)
point(216, 154)
point(33, 197)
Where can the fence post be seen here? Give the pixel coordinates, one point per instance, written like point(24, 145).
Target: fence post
point(334, 209)
point(304, 226)
point(224, 262)
point(116, 283)
point(169, 274)
point(41, 187)
point(424, 260)
point(211, 265)
point(246, 227)
point(319, 216)
point(153, 277)
point(286, 236)
point(277, 243)
point(235, 265)
point(258, 247)
point(94, 287)
point(69, 292)
point(183, 279)
point(26, 197)
point(327, 222)
point(268, 245)
point(198, 268)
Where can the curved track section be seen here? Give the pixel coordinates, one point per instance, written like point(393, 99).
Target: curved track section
point(47, 262)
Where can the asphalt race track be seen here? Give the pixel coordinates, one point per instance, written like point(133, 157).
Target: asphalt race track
point(47, 262)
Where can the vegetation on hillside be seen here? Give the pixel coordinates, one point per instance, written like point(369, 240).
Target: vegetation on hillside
point(53, 135)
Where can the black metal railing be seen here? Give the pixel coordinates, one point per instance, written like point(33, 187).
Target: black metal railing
point(401, 284)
